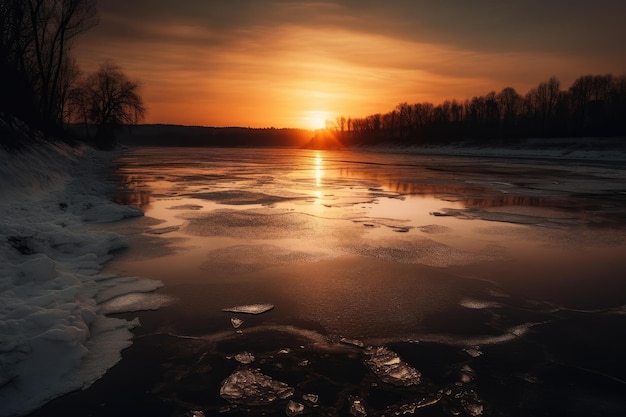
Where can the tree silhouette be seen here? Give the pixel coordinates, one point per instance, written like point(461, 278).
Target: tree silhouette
point(594, 105)
point(35, 43)
point(108, 100)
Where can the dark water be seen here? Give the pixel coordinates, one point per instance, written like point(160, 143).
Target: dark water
point(500, 282)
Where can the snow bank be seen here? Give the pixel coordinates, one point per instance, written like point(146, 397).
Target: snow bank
point(54, 336)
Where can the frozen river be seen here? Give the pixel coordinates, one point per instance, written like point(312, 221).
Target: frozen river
point(400, 284)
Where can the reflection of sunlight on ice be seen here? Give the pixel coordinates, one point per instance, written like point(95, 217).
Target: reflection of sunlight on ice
point(319, 173)
point(319, 169)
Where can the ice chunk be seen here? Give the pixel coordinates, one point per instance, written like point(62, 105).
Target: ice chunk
point(467, 374)
point(164, 230)
point(251, 387)
point(250, 308)
point(312, 398)
point(478, 304)
point(473, 409)
point(135, 302)
point(462, 400)
point(388, 366)
point(434, 228)
point(185, 207)
point(418, 251)
point(117, 286)
point(413, 406)
point(474, 352)
point(353, 342)
point(236, 322)
point(357, 409)
point(244, 357)
point(294, 408)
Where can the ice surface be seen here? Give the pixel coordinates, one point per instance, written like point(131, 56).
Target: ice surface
point(249, 258)
point(388, 366)
point(186, 207)
point(250, 308)
point(54, 335)
point(242, 197)
point(251, 387)
point(418, 251)
point(477, 214)
point(248, 224)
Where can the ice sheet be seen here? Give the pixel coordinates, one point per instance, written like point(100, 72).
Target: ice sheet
point(376, 290)
point(250, 308)
point(248, 258)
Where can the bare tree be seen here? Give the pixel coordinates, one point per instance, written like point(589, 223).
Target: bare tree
point(54, 24)
point(36, 39)
point(509, 103)
point(108, 99)
point(546, 99)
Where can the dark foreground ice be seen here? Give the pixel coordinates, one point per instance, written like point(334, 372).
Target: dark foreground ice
point(400, 285)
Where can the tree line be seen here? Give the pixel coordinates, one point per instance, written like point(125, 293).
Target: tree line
point(42, 85)
point(197, 136)
point(593, 106)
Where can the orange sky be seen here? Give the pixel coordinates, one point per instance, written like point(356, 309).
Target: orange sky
point(287, 63)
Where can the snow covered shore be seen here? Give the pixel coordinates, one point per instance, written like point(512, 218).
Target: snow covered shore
point(54, 337)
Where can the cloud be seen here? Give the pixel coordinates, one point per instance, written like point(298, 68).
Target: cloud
point(485, 25)
point(266, 62)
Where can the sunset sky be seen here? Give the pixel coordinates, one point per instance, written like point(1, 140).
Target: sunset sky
point(286, 63)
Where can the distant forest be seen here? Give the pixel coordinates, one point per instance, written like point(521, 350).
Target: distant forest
point(175, 135)
point(593, 106)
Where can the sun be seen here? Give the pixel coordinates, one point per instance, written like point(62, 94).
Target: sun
point(317, 119)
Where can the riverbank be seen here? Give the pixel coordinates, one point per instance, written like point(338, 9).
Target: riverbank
point(54, 334)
